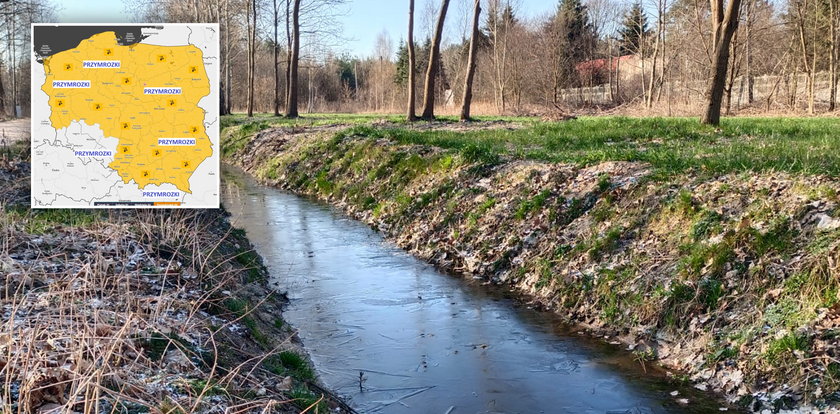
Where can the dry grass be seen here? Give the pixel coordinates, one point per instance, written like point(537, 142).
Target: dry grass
point(128, 312)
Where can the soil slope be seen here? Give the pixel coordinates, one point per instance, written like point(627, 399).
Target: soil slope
point(731, 280)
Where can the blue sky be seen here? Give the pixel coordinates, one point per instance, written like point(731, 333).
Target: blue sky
point(91, 11)
point(368, 18)
point(362, 21)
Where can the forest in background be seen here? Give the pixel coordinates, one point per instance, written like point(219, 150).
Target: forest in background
point(646, 57)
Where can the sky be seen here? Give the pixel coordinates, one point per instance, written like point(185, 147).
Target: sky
point(362, 20)
point(368, 18)
point(91, 11)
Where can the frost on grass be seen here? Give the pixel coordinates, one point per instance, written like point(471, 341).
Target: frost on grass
point(136, 312)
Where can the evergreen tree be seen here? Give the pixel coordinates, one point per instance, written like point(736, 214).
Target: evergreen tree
point(421, 60)
point(347, 72)
point(401, 75)
point(573, 17)
point(575, 38)
point(499, 21)
point(634, 30)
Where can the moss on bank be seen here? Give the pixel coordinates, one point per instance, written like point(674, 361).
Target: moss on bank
point(729, 275)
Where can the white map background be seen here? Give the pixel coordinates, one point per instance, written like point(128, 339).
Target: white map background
point(62, 180)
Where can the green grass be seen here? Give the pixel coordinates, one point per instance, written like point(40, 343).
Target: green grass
point(604, 244)
point(781, 347)
point(671, 145)
point(241, 308)
point(531, 205)
point(203, 387)
point(289, 363)
point(305, 399)
point(473, 216)
point(307, 119)
point(38, 221)
point(16, 151)
point(156, 344)
point(708, 224)
point(321, 119)
point(250, 260)
point(236, 138)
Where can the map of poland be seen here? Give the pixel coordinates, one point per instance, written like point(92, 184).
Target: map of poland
point(125, 116)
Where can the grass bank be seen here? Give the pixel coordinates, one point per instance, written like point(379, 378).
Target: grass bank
point(135, 311)
point(671, 145)
point(713, 251)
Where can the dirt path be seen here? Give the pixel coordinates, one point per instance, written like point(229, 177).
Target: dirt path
point(13, 131)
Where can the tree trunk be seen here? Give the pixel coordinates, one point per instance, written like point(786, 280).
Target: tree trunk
point(617, 77)
point(610, 80)
point(2, 93)
point(748, 57)
point(806, 63)
point(812, 76)
point(434, 60)
point(411, 112)
point(642, 51)
point(292, 101)
point(288, 48)
point(252, 49)
point(471, 63)
point(310, 95)
point(223, 82)
point(659, 29)
point(228, 104)
point(13, 53)
point(723, 30)
point(500, 60)
point(832, 64)
point(733, 70)
point(276, 63)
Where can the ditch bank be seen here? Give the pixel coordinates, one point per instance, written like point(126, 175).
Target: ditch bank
point(136, 311)
point(731, 280)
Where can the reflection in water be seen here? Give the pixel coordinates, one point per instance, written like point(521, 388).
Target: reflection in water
point(422, 341)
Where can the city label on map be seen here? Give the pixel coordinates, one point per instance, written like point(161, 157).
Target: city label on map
point(176, 142)
point(162, 194)
point(101, 64)
point(93, 153)
point(71, 84)
point(162, 91)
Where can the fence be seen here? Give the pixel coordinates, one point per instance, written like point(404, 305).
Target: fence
point(776, 89)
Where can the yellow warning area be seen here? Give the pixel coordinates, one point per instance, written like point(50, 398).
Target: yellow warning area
point(117, 103)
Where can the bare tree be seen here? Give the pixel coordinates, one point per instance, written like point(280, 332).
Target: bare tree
point(500, 27)
point(224, 92)
point(661, 7)
point(2, 92)
point(15, 36)
point(382, 76)
point(252, 52)
point(432, 70)
point(294, 61)
point(11, 20)
point(724, 25)
point(411, 116)
point(807, 47)
point(276, 22)
point(288, 49)
point(749, 20)
point(471, 63)
point(833, 54)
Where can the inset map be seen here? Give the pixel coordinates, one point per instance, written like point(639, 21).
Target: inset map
point(125, 116)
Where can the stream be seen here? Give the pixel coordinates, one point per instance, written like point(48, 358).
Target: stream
point(391, 334)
